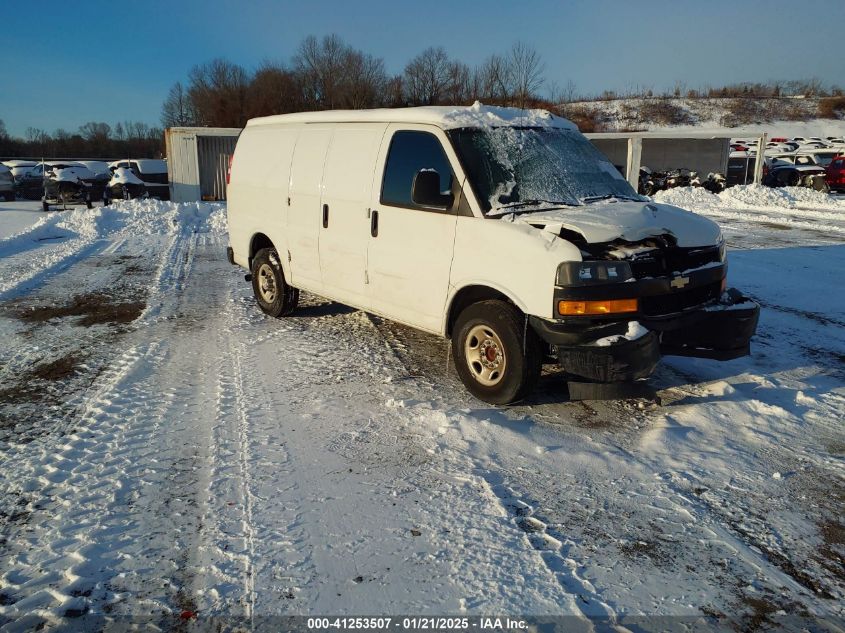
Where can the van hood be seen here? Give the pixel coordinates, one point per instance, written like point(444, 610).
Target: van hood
point(632, 221)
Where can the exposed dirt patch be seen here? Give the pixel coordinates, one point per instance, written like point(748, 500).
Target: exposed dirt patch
point(29, 386)
point(777, 227)
point(761, 612)
point(832, 551)
point(56, 370)
point(92, 309)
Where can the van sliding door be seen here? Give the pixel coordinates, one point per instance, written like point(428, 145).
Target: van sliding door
point(345, 229)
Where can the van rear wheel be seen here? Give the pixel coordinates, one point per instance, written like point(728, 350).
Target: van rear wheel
point(273, 294)
point(497, 355)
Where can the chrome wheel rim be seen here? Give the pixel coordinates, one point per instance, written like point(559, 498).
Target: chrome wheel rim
point(485, 355)
point(267, 283)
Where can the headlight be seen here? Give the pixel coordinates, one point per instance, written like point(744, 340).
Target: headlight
point(723, 251)
point(592, 273)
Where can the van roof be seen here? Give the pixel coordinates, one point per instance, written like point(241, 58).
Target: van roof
point(445, 117)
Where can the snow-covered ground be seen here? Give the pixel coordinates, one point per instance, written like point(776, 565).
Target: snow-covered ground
point(165, 449)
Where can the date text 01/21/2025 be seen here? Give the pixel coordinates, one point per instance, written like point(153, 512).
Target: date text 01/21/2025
point(416, 623)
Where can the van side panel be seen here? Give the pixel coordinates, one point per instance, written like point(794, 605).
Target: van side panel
point(347, 183)
point(258, 189)
point(304, 213)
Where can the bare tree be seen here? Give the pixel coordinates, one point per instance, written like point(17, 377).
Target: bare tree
point(319, 65)
point(427, 77)
point(273, 90)
point(217, 92)
point(176, 109)
point(459, 87)
point(364, 80)
point(95, 131)
point(492, 80)
point(526, 69)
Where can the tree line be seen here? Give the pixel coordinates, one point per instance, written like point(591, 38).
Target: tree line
point(327, 73)
point(93, 140)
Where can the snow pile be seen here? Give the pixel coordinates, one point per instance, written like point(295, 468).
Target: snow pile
point(124, 176)
point(686, 197)
point(124, 218)
point(71, 174)
point(786, 197)
point(148, 216)
point(750, 196)
point(71, 233)
point(480, 115)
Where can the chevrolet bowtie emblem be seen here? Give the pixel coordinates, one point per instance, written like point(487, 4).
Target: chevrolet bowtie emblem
point(679, 282)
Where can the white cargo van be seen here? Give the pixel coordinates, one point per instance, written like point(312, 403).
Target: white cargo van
point(502, 229)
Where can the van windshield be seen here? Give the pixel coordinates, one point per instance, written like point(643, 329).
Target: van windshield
point(515, 169)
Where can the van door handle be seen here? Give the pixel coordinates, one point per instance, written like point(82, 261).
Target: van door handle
point(374, 223)
point(325, 216)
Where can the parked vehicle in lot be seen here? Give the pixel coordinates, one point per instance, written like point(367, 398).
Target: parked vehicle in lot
point(42, 178)
point(19, 168)
point(125, 185)
point(740, 169)
point(812, 176)
point(820, 156)
point(7, 184)
point(835, 174)
point(504, 230)
point(67, 184)
point(151, 172)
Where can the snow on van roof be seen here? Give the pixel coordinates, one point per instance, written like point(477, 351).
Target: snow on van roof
point(446, 117)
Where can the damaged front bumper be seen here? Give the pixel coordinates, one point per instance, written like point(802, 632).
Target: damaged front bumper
point(628, 349)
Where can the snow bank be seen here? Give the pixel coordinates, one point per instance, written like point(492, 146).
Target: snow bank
point(124, 218)
point(750, 196)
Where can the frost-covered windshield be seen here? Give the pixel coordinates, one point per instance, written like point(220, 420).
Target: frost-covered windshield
point(512, 169)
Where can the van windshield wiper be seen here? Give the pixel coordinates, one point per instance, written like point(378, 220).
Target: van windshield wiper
point(512, 207)
point(610, 196)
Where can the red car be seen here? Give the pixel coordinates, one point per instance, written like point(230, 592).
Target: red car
point(835, 174)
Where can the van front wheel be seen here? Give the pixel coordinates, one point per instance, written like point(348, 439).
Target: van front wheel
point(274, 296)
point(496, 355)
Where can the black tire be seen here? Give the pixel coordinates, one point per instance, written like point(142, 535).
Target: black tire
point(44, 206)
point(520, 355)
point(272, 293)
point(9, 196)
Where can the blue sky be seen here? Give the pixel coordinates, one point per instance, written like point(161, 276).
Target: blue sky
point(72, 62)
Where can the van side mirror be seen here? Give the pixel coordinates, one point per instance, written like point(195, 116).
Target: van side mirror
point(426, 190)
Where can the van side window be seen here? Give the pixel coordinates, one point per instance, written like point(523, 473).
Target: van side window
point(410, 152)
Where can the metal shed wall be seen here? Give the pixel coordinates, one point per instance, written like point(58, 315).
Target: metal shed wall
point(197, 160)
point(213, 154)
point(659, 151)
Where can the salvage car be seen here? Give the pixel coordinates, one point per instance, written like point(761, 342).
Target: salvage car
point(812, 176)
point(124, 185)
point(7, 184)
point(835, 174)
point(503, 230)
point(31, 185)
point(151, 172)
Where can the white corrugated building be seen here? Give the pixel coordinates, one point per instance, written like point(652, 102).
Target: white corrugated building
point(197, 160)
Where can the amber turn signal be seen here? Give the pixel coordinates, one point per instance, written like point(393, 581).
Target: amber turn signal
point(614, 306)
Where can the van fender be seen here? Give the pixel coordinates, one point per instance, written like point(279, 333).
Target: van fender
point(471, 291)
point(261, 240)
